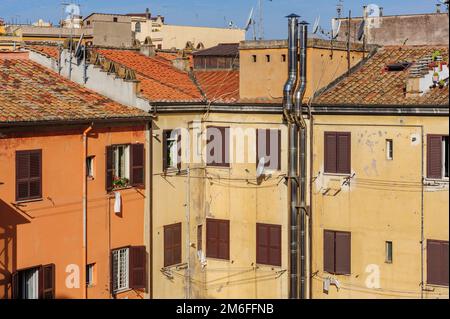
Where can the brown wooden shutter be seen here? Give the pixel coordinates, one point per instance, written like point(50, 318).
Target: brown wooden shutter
point(224, 239)
point(343, 164)
point(179, 151)
point(279, 150)
point(15, 285)
point(28, 175)
point(434, 156)
point(47, 282)
point(172, 244)
point(275, 245)
point(137, 165)
point(343, 253)
point(330, 149)
point(199, 237)
point(212, 145)
point(212, 238)
point(138, 270)
point(109, 173)
point(328, 251)
point(437, 262)
point(165, 149)
point(262, 244)
point(267, 136)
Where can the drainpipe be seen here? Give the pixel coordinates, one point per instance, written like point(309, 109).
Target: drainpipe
point(85, 151)
point(293, 153)
point(299, 94)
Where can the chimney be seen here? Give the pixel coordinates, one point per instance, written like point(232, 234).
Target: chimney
point(148, 50)
point(413, 87)
point(147, 13)
point(182, 63)
point(381, 11)
point(438, 8)
point(364, 12)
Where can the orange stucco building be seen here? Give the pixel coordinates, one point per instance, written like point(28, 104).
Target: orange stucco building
point(65, 155)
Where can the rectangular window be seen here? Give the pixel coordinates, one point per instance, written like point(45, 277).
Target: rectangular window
point(254, 58)
point(120, 269)
point(337, 151)
point(90, 166)
point(389, 150)
point(283, 58)
point(125, 166)
point(90, 275)
point(218, 146)
point(28, 175)
point(172, 245)
point(267, 58)
point(199, 238)
point(218, 239)
point(337, 252)
point(115, 19)
point(268, 148)
point(34, 283)
point(268, 244)
point(389, 252)
point(171, 149)
point(437, 262)
point(437, 156)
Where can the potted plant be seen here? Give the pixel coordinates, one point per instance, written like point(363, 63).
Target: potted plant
point(441, 84)
point(120, 182)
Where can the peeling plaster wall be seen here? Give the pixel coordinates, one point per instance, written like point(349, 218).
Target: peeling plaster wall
point(382, 201)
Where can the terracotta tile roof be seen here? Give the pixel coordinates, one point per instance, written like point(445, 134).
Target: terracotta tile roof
point(159, 80)
point(219, 86)
point(50, 51)
point(370, 84)
point(31, 93)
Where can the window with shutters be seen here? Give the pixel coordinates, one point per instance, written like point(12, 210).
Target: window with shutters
point(120, 269)
point(218, 146)
point(34, 283)
point(125, 166)
point(268, 148)
point(171, 149)
point(337, 150)
point(437, 262)
point(437, 157)
point(218, 239)
point(172, 245)
point(268, 244)
point(28, 175)
point(337, 252)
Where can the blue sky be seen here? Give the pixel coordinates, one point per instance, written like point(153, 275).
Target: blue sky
point(211, 12)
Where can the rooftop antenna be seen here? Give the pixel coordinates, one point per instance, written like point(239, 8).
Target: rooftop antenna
point(261, 23)
point(339, 8)
point(249, 20)
point(335, 28)
point(316, 26)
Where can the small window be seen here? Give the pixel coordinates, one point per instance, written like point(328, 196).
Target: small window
point(283, 58)
point(390, 150)
point(90, 275)
point(254, 58)
point(218, 239)
point(218, 146)
point(88, 22)
point(437, 262)
point(171, 149)
point(125, 166)
point(267, 58)
point(90, 166)
point(268, 146)
point(137, 27)
point(337, 152)
point(172, 245)
point(120, 269)
point(337, 252)
point(268, 244)
point(115, 19)
point(437, 156)
point(389, 252)
point(28, 175)
point(159, 46)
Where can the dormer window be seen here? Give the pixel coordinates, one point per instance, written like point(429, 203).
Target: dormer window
point(396, 67)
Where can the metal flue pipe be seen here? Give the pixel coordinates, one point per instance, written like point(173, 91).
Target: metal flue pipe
point(288, 106)
point(291, 82)
point(298, 96)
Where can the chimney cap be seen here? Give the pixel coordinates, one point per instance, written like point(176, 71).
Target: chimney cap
point(303, 22)
point(293, 15)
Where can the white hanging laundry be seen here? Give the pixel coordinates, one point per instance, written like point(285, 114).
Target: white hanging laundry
point(335, 282)
point(117, 203)
point(326, 284)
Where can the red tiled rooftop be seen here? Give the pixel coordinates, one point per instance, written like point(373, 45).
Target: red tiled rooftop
point(30, 92)
point(372, 85)
point(50, 51)
point(219, 86)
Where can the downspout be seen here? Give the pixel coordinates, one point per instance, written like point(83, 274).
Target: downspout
point(298, 96)
point(84, 256)
point(292, 151)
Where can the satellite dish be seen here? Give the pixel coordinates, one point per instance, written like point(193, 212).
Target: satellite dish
point(373, 11)
point(335, 27)
point(361, 30)
point(316, 25)
point(249, 20)
point(261, 167)
point(72, 10)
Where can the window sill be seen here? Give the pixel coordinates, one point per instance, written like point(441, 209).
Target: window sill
point(259, 265)
point(26, 201)
point(338, 174)
point(120, 189)
point(436, 286)
point(329, 273)
point(121, 291)
point(438, 180)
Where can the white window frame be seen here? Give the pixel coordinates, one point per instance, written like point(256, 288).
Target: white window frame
point(90, 160)
point(121, 269)
point(389, 149)
point(389, 248)
point(172, 149)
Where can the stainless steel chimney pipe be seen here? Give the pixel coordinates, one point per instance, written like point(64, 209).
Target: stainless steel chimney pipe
point(291, 82)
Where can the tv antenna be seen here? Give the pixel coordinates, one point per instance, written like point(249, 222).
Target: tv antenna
point(250, 22)
point(335, 28)
point(339, 8)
